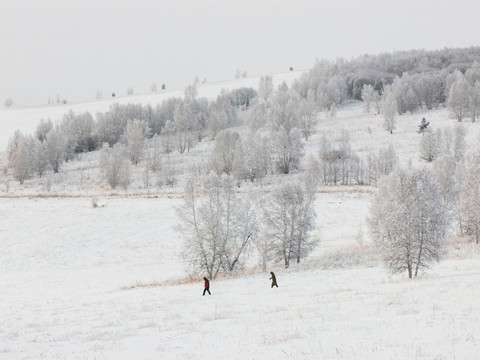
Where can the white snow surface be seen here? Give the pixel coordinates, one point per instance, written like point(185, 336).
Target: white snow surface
point(109, 282)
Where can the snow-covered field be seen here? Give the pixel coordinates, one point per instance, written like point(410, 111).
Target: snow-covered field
point(109, 282)
point(79, 282)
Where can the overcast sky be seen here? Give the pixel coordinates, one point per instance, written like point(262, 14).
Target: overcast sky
point(76, 47)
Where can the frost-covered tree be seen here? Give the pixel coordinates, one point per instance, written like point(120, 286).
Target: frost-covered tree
point(287, 150)
point(224, 151)
point(288, 220)
point(306, 114)
point(39, 157)
point(404, 91)
point(252, 162)
point(409, 220)
point(20, 156)
point(114, 165)
point(337, 162)
point(154, 154)
point(454, 144)
point(85, 130)
point(430, 144)
point(265, 88)
point(68, 129)
point(474, 101)
point(218, 225)
point(134, 138)
point(332, 111)
point(43, 128)
point(55, 147)
point(444, 169)
point(191, 91)
point(258, 115)
point(334, 92)
point(222, 114)
point(381, 163)
point(458, 98)
point(168, 133)
point(182, 120)
point(284, 109)
point(368, 96)
point(389, 109)
point(242, 97)
point(468, 204)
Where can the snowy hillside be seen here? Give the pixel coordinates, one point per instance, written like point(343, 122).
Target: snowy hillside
point(26, 119)
point(88, 271)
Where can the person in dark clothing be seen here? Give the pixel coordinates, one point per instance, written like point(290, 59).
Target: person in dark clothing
point(274, 279)
point(207, 286)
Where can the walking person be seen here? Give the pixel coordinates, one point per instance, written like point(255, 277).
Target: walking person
point(274, 279)
point(207, 286)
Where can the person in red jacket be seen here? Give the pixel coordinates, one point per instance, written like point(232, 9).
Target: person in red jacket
point(207, 286)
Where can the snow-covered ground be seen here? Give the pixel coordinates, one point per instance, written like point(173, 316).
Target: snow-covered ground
point(109, 282)
point(79, 282)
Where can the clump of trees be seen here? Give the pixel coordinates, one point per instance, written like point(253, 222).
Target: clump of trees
point(220, 226)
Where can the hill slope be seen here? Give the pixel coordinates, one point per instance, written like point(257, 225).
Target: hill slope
point(26, 119)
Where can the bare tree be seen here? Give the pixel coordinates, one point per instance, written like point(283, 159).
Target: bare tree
point(409, 220)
